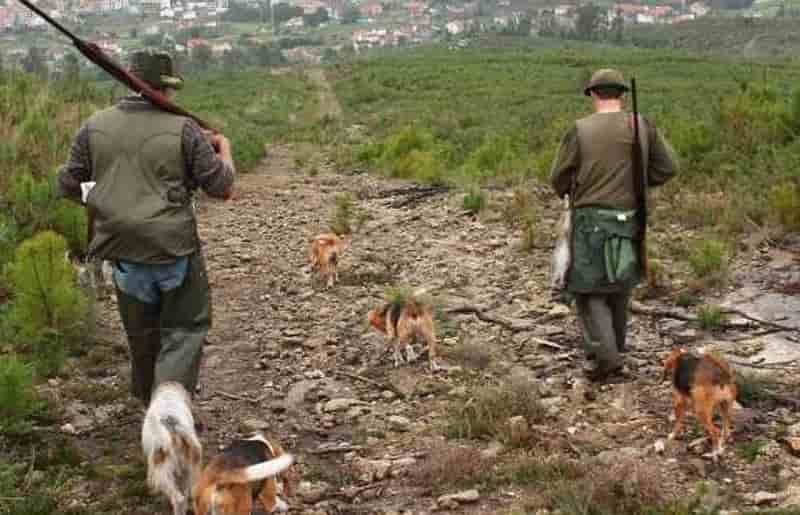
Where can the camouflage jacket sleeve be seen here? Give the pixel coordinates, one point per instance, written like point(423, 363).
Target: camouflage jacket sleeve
point(662, 161)
point(203, 167)
point(77, 169)
point(566, 163)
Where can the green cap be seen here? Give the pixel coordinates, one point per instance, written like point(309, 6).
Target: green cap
point(155, 68)
point(606, 78)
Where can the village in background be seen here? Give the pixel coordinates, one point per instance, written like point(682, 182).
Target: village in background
point(229, 34)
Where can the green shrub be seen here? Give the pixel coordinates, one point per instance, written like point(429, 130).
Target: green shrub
point(17, 396)
point(708, 258)
point(421, 165)
point(48, 309)
point(341, 222)
point(750, 451)
point(710, 318)
point(30, 199)
point(474, 200)
point(69, 220)
point(687, 299)
point(784, 202)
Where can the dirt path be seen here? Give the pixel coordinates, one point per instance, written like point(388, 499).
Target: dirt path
point(329, 104)
point(285, 355)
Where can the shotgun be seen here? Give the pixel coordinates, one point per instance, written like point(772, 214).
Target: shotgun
point(640, 184)
point(96, 55)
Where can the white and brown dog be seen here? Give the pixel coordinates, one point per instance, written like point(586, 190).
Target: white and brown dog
point(246, 470)
point(325, 253)
point(171, 448)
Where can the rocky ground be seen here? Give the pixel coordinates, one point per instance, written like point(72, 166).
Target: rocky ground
point(299, 361)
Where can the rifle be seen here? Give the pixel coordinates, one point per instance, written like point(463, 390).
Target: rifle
point(639, 184)
point(96, 55)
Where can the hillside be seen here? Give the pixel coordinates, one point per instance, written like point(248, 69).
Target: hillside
point(437, 160)
point(750, 38)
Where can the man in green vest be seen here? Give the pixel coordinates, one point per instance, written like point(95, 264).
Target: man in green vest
point(136, 167)
point(594, 166)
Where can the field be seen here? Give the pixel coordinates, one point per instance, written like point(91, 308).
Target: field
point(739, 37)
point(483, 115)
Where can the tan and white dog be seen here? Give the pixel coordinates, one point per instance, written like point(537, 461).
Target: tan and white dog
point(403, 322)
point(324, 255)
point(171, 448)
point(247, 469)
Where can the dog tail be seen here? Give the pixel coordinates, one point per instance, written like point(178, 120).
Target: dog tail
point(258, 471)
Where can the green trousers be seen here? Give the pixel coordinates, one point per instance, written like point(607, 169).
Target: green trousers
point(166, 339)
point(604, 323)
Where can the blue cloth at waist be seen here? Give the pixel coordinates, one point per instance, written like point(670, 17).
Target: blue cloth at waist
point(146, 282)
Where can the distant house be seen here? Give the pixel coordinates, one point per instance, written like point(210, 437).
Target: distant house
point(645, 18)
point(167, 13)
point(6, 18)
point(294, 23)
point(197, 42)
point(455, 27)
point(699, 9)
point(563, 10)
point(303, 55)
point(371, 9)
point(221, 48)
point(189, 15)
point(415, 8)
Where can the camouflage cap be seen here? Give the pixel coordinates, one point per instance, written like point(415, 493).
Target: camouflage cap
point(155, 68)
point(606, 78)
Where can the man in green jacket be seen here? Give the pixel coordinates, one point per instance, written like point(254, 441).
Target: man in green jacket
point(136, 167)
point(594, 166)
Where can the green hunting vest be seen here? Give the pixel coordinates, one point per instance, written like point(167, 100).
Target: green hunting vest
point(142, 202)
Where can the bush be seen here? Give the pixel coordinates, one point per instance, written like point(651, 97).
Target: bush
point(486, 415)
point(459, 467)
point(342, 214)
point(784, 202)
point(710, 317)
point(474, 200)
point(17, 397)
point(48, 310)
point(708, 258)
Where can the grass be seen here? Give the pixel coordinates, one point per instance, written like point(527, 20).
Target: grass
point(708, 259)
point(448, 467)
point(252, 108)
point(474, 201)
point(710, 318)
point(488, 412)
point(750, 451)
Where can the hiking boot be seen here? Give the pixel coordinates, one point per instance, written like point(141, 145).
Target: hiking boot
point(598, 374)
